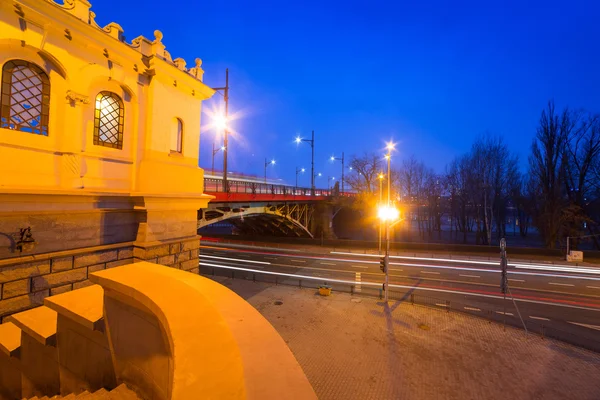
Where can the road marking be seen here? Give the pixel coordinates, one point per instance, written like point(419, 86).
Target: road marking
point(357, 280)
point(540, 318)
point(396, 269)
point(596, 327)
point(297, 261)
point(235, 259)
point(271, 258)
point(560, 284)
point(472, 309)
point(428, 272)
point(516, 280)
point(583, 306)
point(593, 287)
point(326, 263)
point(503, 313)
point(359, 266)
point(441, 305)
point(469, 276)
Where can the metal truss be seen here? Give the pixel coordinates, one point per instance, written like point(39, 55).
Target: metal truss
point(287, 218)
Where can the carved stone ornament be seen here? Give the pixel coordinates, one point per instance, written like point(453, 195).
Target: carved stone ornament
point(76, 98)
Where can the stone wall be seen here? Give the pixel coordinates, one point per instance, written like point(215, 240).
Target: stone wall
point(180, 254)
point(26, 281)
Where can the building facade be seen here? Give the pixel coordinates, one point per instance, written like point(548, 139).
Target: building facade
point(99, 143)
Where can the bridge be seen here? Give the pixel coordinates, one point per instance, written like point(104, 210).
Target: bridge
point(264, 208)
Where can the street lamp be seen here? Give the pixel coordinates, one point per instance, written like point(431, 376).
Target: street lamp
point(343, 167)
point(388, 214)
point(222, 123)
point(298, 170)
point(214, 152)
point(329, 180)
point(380, 177)
point(312, 160)
point(267, 163)
point(315, 176)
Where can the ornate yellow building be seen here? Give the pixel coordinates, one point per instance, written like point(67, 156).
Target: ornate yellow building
point(99, 143)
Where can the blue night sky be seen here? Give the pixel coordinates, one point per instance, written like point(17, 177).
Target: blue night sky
point(432, 75)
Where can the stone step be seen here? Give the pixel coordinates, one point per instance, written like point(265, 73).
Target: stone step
point(38, 353)
point(101, 394)
point(39, 323)
point(84, 395)
point(10, 363)
point(84, 306)
point(83, 349)
point(122, 392)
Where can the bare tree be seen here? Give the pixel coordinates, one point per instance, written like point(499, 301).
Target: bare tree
point(547, 171)
point(366, 169)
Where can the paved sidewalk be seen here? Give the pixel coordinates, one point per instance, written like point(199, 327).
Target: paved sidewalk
point(358, 348)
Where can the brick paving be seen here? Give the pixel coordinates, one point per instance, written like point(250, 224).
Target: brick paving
point(353, 347)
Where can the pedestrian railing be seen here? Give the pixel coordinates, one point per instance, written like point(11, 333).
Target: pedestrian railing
point(503, 315)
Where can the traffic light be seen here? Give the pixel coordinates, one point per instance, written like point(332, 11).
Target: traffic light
point(382, 264)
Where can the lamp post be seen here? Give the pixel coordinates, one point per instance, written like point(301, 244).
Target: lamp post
point(267, 163)
point(380, 176)
point(225, 147)
point(214, 152)
point(329, 180)
point(315, 176)
point(343, 167)
point(298, 170)
point(392, 214)
point(312, 159)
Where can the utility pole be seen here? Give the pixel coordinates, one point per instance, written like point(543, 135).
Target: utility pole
point(226, 130)
point(312, 163)
point(387, 230)
point(380, 203)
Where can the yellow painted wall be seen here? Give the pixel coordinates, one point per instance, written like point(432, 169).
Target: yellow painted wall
point(83, 58)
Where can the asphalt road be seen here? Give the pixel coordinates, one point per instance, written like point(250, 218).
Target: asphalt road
point(561, 300)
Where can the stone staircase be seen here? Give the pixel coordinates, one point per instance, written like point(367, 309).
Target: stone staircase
point(121, 392)
point(59, 351)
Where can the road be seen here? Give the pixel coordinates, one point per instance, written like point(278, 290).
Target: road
point(564, 299)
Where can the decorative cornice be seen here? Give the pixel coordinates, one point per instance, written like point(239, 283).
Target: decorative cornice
point(81, 9)
point(75, 97)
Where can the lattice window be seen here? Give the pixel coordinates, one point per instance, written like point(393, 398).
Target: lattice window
point(25, 99)
point(108, 120)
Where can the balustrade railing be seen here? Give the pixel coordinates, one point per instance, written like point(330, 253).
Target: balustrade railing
point(212, 185)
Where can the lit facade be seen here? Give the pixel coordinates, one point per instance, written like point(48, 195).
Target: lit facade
point(99, 142)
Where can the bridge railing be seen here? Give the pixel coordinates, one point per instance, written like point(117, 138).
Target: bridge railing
point(212, 185)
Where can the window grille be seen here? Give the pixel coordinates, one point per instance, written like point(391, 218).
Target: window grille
point(108, 120)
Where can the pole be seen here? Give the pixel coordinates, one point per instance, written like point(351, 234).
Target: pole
point(213, 159)
point(387, 233)
point(343, 172)
point(225, 139)
point(380, 200)
point(312, 163)
point(265, 170)
point(567, 247)
point(296, 177)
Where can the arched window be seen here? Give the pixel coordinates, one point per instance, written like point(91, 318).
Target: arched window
point(25, 101)
point(176, 136)
point(108, 120)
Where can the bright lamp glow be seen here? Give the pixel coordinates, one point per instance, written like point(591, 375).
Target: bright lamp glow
point(298, 139)
point(332, 158)
point(390, 146)
point(223, 148)
point(380, 176)
point(302, 170)
point(272, 162)
point(220, 122)
point(388, 213)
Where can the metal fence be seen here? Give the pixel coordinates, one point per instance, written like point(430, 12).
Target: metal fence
point(372, 289)
point(212, 185)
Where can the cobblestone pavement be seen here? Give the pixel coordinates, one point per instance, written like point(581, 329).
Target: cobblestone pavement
point(354, 347)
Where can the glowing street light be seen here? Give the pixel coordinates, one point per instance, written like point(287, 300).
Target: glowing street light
point(299, 140)
point(343, 167)
point(221, 122)
point(388, 213)
point(267, 163)
point(297, 171)
point(214, 152)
